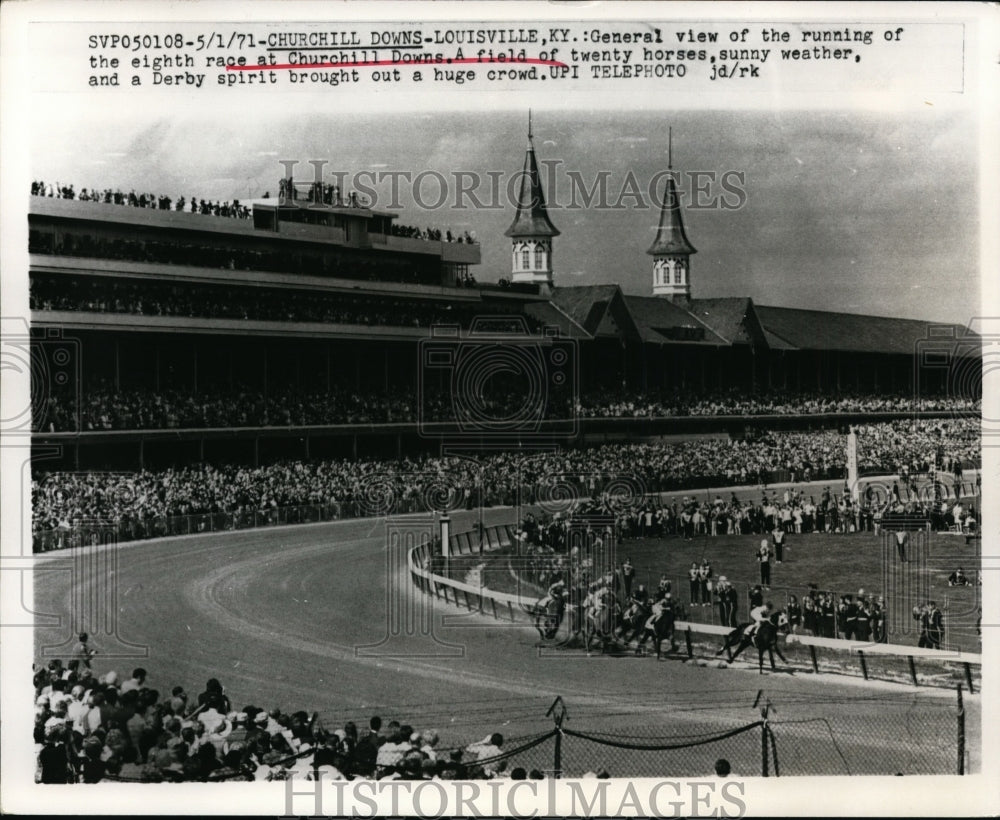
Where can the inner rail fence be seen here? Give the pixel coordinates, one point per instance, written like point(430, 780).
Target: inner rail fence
point(893, 662)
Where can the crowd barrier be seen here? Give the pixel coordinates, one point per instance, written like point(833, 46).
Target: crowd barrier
point(863, 648)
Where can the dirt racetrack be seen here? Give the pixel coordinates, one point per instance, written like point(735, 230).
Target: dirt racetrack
point(293, 617)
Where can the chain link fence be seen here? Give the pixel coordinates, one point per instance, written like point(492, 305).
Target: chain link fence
point(872, 735)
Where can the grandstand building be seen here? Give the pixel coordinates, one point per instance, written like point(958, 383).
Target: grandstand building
point(319, 293)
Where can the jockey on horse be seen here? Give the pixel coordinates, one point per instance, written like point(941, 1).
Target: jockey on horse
point(758, 615)
point(549, 609)
point(601, 608)
point(557, 591)
point(635, 617)
point(660, 624)
point(762, 633)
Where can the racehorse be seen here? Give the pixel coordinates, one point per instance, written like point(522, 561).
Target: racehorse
point(549, 613)
point(765, 639)
point(659, 630)
point(633, 621)
point(601, 620)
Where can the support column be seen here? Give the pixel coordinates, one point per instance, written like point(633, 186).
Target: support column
point(264, 356)
point(117, 365)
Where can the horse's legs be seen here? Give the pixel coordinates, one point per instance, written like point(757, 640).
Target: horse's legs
point(740, 647)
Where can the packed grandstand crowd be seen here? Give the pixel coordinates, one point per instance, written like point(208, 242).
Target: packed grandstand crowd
point(143, 199)
point(100, 407)
point(775, 402)
point(204, 254)
point(138, 503)
point(259, 304)
point(234, 209)
point(91, 728)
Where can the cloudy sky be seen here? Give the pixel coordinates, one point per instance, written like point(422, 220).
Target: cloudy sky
point(853, 211)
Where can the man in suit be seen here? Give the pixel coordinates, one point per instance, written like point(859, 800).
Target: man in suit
point(763, 556)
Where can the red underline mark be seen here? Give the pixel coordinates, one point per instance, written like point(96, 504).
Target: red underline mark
point(463, 61)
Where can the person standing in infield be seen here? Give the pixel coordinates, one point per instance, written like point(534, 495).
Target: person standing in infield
point(763, 556)
point(778, 540)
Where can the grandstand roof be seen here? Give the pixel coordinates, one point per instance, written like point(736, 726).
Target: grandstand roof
point(603, 310)
point(825, 330)
point(552, 315)
point(585, 304)
point(727, 317)
point(662, 321)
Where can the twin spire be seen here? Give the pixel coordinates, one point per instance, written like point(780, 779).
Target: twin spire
point(532, 217)
point(532, 231)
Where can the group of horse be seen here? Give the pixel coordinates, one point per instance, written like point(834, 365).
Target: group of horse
point(602, 618)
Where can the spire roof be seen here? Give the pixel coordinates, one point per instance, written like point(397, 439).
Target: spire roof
point(670, 236)
point(532, 217)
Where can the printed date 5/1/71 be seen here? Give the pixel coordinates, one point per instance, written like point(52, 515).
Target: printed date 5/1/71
point(143, 42)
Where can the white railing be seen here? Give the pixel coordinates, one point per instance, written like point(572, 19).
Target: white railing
point(506, 606)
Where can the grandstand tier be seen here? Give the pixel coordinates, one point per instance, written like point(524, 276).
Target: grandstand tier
point(307, 299)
